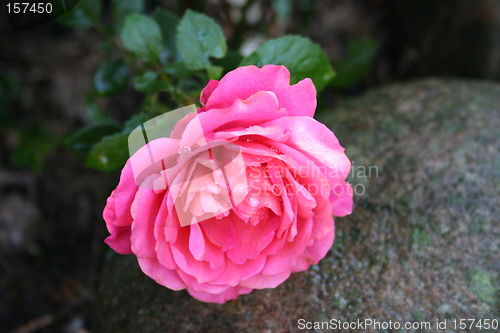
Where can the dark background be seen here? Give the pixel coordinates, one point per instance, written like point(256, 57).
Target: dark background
point(51, 229)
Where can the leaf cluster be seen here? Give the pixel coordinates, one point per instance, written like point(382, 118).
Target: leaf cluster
point(168, 59)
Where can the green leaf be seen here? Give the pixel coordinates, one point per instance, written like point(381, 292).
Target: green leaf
point(230, 61)
point(134, 121)
point(214, 72)
point(146, 81)
point(198, 38)
point(142, 36)
point(84, 15)
point(110, 153)
point(179, 70)
point(122, 8)
point(93, 110)
point(168, 23)
point(111, 77)
point(157, 127)
point(302, 57)
point(82, 141)
point(149, 83)
point(361, 54)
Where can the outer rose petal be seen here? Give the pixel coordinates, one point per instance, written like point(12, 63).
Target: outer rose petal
point(229, 294)
point(207, 91)
point(117, 210)
point(341, 199)
point(261, 281)
point(166, 277)
point(243, 82)
point(119, 239)
point(314, 253)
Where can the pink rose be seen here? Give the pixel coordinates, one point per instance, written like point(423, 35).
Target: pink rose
point(240, 195)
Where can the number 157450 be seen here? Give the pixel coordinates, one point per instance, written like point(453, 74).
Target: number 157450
point(29, 7)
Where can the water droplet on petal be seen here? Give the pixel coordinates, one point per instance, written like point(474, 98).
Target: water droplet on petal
point(184, 150)
point(212, 188)
point(253, 202)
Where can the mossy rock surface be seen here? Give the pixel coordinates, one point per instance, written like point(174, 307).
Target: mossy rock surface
point(422, 242)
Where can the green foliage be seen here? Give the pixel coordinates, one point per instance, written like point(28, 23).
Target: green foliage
point(359, 61)
point(300, 55)
point(146, 82)
point(110, 153)
point(84, 140)
point(93, 111)
point(111, 77)
point(84, 15)
point(198, 39)
point(135, 121)
point(168, 23)
point(142, 36)
point(170, 58)
point(214, 72)
point(122, 8)
point(230, 61)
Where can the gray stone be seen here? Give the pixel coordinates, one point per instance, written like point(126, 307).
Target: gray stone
point(422, 242)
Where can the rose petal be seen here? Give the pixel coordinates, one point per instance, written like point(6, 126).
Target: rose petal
point(235, 273)
point(261, 281)
point(314, 253)
point(200, 270)
point(227, 295)
point(207, 91)
point(119, 239)
point(320, 144)
point(250, 240)
point(260, 107)
point(291, 251)
point(243, 82)
point(166, 277)
point(117, 210)
point(201, 287)
point(144, 211)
